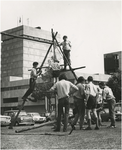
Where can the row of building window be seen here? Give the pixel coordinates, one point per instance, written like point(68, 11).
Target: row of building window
point(14, 88)
point(41, 85)
point(10, 100)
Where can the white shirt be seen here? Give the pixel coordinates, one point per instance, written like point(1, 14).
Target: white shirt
point(66, 45)
point(54, 65)
point(63, 88)
point(107, 93)
point(33, 73)
point(92, 89)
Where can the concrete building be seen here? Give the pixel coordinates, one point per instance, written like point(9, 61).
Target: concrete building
point(112, 62)
point(17, 56)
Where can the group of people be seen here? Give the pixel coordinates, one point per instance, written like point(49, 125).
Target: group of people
point(86, 99)
point(86, 96)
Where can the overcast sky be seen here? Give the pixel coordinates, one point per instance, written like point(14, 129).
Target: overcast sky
point(93, 27)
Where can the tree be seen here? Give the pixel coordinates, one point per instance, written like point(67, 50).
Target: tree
point(114, 82)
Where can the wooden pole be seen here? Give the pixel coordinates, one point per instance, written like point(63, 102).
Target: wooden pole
point(47, 53)
point(35, 127)
point(13, 122)
point(74, 69)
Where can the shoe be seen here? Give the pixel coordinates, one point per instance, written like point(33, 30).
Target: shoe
point(102, 125)
point(64, 130)
point(88, 128)
point(111, 127)
point(56, 130)
point(96, 128)
point(82, 128)
point(32, 100)
point(24, 99)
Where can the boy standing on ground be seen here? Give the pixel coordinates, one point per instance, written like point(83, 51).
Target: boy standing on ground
point(79, 104)
point(109, 97)
point(63, 89)
point(66, 45)
point(33, 77)
point(91, 103)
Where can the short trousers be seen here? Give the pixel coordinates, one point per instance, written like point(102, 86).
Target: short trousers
point(91, 103)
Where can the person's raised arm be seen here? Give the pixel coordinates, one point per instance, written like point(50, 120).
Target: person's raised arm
point(53, 88)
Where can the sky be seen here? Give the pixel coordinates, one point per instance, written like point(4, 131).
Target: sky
point(93, 27)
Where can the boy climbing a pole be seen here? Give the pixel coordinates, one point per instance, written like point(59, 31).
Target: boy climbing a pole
point(66, 46)
point(33, 77)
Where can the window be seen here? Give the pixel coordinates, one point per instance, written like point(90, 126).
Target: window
point(10, 100)
point(111, 64)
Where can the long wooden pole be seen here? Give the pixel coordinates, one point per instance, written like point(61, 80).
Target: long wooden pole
point(47, 53)
point(13, 122)
point(74, 68)
point(35, 127)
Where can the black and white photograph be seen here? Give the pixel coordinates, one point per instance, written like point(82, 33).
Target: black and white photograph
point(60, 74)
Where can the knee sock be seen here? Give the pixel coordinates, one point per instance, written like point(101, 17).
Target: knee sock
point(96, 121)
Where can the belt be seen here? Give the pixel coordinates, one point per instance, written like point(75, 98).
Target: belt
point(64, 97)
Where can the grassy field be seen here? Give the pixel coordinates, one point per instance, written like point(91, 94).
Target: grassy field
point(79, 139)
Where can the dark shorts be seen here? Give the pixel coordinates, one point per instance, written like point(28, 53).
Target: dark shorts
point(91, 103)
